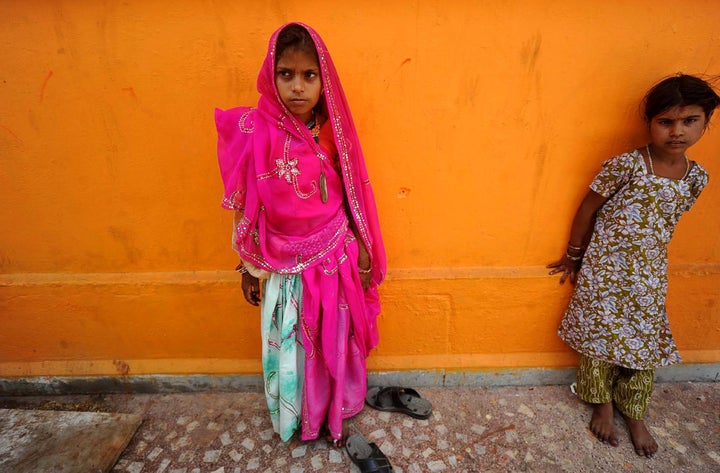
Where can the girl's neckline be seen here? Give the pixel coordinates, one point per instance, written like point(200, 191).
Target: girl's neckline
point(314, 126)
point(690, 168)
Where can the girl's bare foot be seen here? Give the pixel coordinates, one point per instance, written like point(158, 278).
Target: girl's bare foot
point(294, 441)
point(602, 423)
point(644, 443)
point(343, 436)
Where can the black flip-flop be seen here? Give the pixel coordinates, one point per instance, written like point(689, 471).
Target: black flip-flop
point(366, 455)
point(399, 399)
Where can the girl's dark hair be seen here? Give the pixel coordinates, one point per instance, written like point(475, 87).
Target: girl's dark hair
point(295, 37)
point(680, 90)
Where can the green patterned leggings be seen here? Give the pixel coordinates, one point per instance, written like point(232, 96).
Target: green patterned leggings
point(599, 382)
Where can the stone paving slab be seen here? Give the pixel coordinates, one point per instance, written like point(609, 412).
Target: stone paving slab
point(507, 429)
point(63, 442)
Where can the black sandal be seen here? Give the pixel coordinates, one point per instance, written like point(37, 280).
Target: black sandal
point(366, 455)
point(398, 399)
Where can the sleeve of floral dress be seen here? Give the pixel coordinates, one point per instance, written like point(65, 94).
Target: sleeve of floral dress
point(696, 187)
point(615, 173)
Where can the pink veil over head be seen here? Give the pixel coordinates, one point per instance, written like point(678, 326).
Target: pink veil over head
point(236, 149)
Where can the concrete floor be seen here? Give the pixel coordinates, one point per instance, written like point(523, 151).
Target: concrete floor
point(33, 441)
point(505, 429)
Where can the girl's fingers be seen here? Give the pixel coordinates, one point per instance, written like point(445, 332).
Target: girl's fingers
point(248, 293)
point(365, 280)
point(251, 289)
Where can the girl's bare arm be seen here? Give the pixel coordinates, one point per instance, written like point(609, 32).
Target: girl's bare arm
point(364, 261)
point(250, 284)
point(580, 233)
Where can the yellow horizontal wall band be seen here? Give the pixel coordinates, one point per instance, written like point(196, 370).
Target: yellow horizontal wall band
point(467, 361)
point(460, 362)
point(129, 367)
point(503, 360)
point(396, 274)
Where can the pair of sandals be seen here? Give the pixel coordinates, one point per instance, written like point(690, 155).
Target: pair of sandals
point(367, 455)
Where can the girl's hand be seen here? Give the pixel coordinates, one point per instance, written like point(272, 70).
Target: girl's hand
point(251, 288)
point(567, 267)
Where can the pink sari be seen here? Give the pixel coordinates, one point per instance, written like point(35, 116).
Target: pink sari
point(270, 167)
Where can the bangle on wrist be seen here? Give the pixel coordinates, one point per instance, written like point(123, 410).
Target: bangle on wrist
point(240, 268)
point(575, 252)
point(573, 258)
point(576, 248)
point(364, 271)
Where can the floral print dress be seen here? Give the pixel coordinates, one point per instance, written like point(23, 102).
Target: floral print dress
point(617, 313)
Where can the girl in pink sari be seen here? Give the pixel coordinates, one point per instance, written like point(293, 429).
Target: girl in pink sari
point(305, 223)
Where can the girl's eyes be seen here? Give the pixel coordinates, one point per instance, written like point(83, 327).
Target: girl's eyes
point(687, 121)
point(309, 75)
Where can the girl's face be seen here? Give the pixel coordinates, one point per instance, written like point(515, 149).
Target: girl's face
point(297, 78)
point(676, 129)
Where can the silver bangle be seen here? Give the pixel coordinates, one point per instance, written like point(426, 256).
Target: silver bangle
point(573, 258)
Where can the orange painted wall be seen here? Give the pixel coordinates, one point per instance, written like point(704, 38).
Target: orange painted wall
point(482, 124)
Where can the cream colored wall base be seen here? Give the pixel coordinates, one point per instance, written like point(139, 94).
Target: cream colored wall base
point(60, 385)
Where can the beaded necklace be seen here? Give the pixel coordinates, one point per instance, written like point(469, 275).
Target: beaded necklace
point(652, 168)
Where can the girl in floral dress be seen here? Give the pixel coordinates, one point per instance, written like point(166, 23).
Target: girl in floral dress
point(617, 255)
